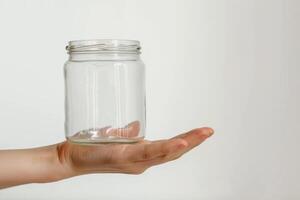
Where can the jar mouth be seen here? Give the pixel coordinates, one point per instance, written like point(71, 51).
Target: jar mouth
point(104, 46)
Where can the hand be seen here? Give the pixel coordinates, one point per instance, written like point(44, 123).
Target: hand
point(66, 159)
point(132, 158)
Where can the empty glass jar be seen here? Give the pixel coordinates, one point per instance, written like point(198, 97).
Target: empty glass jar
point(105, 91)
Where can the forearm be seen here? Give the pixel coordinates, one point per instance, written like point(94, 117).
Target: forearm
point(36, 165)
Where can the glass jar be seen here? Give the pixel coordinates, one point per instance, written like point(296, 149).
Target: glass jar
point(105, 91)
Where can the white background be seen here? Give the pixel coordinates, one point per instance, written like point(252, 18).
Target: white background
point(232, 65)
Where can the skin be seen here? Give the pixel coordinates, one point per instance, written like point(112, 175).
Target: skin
point(67, 159)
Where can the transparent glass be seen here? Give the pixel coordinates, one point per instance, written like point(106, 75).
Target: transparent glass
point(105, 92)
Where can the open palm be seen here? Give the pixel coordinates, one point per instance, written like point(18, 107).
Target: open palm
point(132, 158)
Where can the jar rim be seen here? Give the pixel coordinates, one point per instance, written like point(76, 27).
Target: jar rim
point(104, 46)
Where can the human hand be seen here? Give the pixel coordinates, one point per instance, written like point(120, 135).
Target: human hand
point(66, 159)
point(132, 158)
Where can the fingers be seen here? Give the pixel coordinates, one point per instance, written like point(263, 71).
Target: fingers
point(163, 151)
point(148, 151)
point(196, 136)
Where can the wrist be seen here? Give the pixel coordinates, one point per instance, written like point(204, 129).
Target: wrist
point(55, 164)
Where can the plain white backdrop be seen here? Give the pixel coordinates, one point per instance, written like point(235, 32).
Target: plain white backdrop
point(229, 64)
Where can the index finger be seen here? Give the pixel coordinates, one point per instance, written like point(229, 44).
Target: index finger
point(146, 151)
point(196, 136)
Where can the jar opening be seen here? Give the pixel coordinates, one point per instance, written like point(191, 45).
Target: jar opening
point(104, 46)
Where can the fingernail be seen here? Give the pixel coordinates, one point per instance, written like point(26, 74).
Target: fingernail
point(208, 132)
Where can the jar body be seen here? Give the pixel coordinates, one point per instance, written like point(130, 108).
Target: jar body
point(105, 99)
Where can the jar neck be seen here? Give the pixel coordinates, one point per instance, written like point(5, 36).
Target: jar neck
point(103, 56)
point(103, 49)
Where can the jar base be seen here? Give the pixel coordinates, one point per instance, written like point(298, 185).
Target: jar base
point(89, 141)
